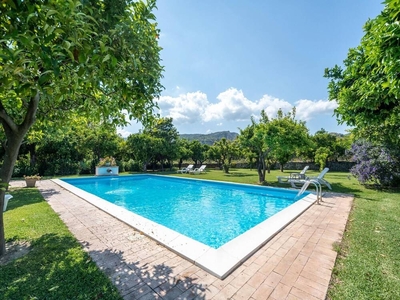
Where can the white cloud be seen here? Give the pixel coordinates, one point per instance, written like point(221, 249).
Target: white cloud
point(307, 109)
point(123, 132)
point(191, 111)
point(186, 108)
point(234, 106)
point(271, 106)
point(231, 105)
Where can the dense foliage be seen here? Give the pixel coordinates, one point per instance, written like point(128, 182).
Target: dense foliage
point(375, 164)
point(60, 59)
point(367, 89)
point(277, 140)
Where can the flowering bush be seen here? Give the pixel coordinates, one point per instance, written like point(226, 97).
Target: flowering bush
point(374, 164)
point(107, 161)
point(37, 177)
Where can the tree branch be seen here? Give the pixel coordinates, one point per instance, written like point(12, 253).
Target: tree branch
point(31, 112)
point(7, 120)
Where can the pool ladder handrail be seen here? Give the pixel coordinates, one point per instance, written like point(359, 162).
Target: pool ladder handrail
point(318, 189)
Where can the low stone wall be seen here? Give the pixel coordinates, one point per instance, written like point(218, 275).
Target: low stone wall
point(336, 166)
point(339, 166)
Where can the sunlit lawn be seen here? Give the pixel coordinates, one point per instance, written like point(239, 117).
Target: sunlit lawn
point(368, 266)
point(56, 267)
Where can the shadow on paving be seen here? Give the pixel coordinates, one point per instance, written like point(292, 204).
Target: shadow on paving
point(135, 281)
point(48, 192)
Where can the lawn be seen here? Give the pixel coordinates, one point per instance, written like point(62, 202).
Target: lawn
point(368, 266)
point(56, 267)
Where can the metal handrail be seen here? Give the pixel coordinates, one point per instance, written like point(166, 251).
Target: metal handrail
point(318, 189)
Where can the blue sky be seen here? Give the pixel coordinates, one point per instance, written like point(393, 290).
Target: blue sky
point(226, 60)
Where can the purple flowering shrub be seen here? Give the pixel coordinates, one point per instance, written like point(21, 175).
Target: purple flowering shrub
point(374, 164)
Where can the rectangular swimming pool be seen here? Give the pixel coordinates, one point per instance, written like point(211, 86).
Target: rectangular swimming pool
point(216, 225)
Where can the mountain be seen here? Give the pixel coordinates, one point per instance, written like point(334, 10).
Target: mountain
point(210, 138)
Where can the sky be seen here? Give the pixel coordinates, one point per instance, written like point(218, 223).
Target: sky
point(226, 60)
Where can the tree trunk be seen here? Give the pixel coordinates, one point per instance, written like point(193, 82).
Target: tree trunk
point(162, 165)
point(180, 163)
point(261, 169)
point(32, 154)
point(10, 157)
point(15, 135)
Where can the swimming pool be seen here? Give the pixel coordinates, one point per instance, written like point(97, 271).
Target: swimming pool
point(215, 225)
point(212, 213)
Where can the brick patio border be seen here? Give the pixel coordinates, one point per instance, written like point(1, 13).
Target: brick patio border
point(296, 264)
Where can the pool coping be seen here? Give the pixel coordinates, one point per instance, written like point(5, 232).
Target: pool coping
point(218, 262)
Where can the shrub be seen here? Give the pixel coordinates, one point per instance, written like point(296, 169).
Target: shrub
point(131, 166)
point(321, 156)
point(374, 163)
point(85, 167)
point(23, 167)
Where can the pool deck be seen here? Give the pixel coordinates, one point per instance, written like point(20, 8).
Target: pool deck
point(295, 264)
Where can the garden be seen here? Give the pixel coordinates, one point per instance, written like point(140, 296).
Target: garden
point(65, 88)
point(56, 266)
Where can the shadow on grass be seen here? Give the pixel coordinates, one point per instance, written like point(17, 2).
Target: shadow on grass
point(135, 280)
point(336, 188)
point(238, 174)
point(55, 268)
point(22, 197)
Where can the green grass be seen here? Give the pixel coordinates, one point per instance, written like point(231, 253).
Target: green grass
point(56, 267)
point(368, 265)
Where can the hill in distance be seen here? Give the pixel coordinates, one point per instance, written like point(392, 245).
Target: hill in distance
point(210, 138)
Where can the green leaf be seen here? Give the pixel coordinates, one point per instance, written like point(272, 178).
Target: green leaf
point(50, 12)
point(107, 57)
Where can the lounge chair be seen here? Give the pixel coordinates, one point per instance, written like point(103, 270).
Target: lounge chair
point(6, 198)
point(296, 175)
point(319, 178)
point(185, 170)
point(198, 170)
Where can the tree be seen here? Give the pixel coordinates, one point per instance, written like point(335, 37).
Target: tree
point(199, 152)
point(276, 139)
point(99, 59)
point(367, 89)
point(100, 140)
point(184, 152)
point(143, 147)
point(168, 135)
point(223, 151)
point(252, 141)
point(214, 154)
point(287, 136)
point(321, 156)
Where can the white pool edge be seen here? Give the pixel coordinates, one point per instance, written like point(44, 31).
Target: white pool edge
point(219, 262)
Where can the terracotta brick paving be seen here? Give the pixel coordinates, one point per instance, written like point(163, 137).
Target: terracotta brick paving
point(296, 264)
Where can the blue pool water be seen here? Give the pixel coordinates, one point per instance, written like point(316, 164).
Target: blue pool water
point(212, 213)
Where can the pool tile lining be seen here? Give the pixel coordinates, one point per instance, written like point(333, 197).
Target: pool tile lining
point(219, 262)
